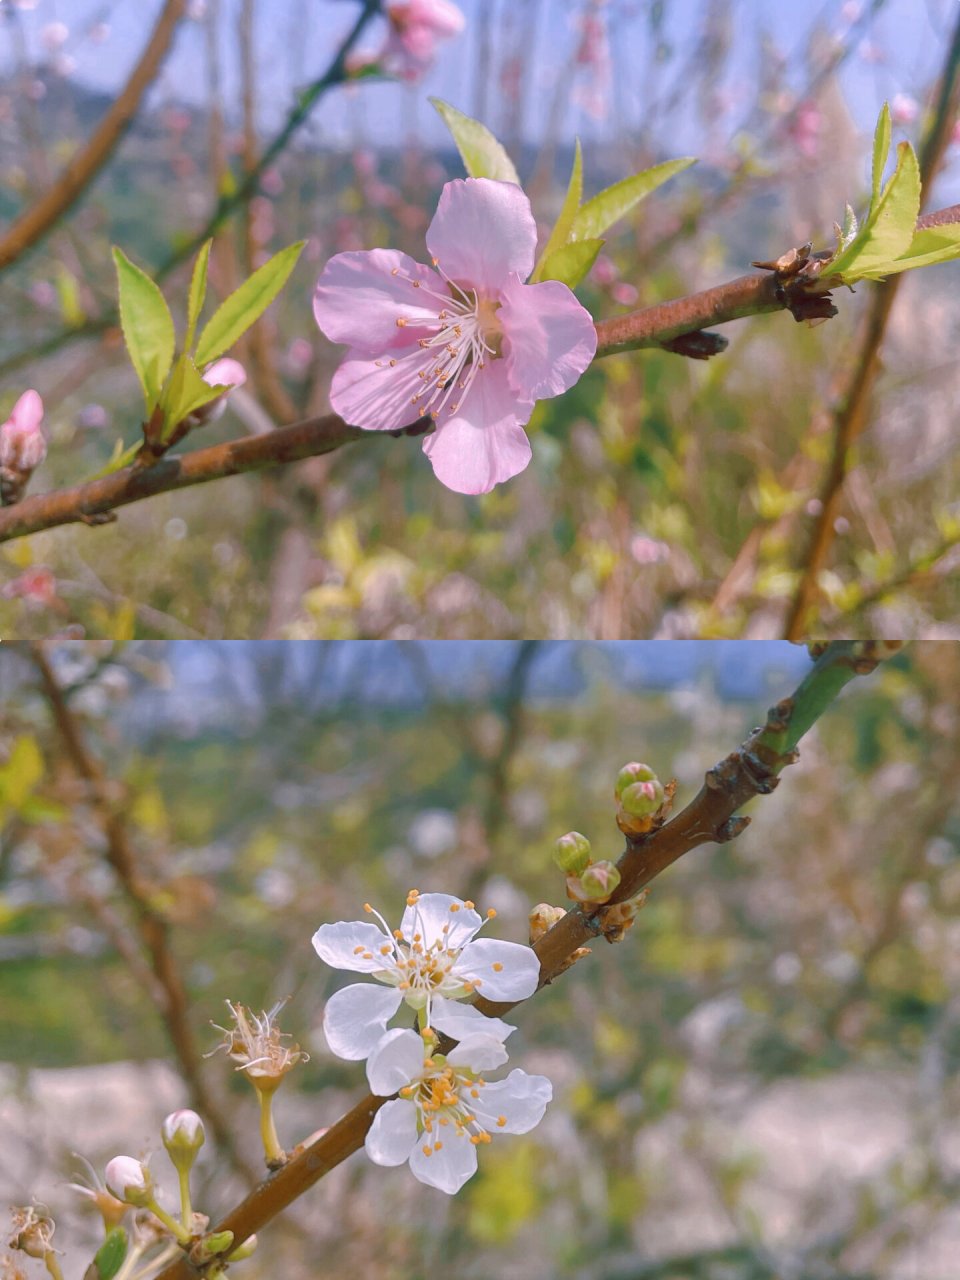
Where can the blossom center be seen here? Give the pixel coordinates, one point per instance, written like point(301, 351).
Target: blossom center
point(442, 1097)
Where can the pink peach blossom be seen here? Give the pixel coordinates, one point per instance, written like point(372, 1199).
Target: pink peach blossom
point(416, 28)
point(22, 446)
point(465, 342)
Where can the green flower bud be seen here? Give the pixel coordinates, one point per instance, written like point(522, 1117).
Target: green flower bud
point(641, 799)
point(599, 881)
point(572, 853)
point(631, 773)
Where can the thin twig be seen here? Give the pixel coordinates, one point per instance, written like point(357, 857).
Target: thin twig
point(151, 925)
point(750, 771)
point(84, 166)
point(852, 412)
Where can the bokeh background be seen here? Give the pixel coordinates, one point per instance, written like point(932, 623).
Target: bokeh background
point(761, 1081)
point(666, 498)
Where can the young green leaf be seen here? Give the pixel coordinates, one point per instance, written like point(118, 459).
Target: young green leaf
point(110, 1255)
point(119, 459)
point(932, 245)
point(246, 305)
point(571, 203)
point(571, 263)
point(198, 291)
point(881, 148)
point(891, 227)
point(483, 156)
point(600, 212)
point(147, 327)
point(185, 392)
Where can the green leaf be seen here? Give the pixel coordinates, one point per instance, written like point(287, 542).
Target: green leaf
point(483, 156)
point(891, 227)
point(147, 327)
point(198, 291)
point(109, 1257)
point(881, 149)
point(185, 392)
point(571, 203)
point(21, 773)
point(605, 208)
point(119, 459)
point(246, 305)
point(932, 245)
point(571, 263)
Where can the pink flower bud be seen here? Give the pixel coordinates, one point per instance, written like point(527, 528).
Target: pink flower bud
point(222, 373)
point(129, 1180)
point(631, 773)
point(22, 446)
point(572, 853)
point(641, 799)
point(599, 881)
point(183, 1135)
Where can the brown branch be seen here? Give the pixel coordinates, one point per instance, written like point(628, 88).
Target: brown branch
point(851, 415)
point(84, 166)
point(98, 498)
point(152, 927)
point(750, 771)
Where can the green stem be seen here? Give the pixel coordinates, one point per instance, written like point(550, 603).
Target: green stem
point(175, 1228)
point(186, 1209)
point(268, 1130)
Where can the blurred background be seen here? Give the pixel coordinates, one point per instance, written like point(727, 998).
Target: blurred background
point(761, 1081)
point(666, 497)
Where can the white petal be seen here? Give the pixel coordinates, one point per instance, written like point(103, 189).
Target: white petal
point(353, 944)
point(517, 977)
point(432, 912)
point(520, 1100)
point(356, 1018)
point(391, 1137)
point(478, 1052)
point(459, 1020)
point(395, 1062)
point(450, 1167)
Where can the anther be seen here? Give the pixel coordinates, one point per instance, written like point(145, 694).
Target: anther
point(401, 322)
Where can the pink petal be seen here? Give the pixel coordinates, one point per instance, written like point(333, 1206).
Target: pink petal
point(225, 373)
point(27, 413)
point(373, 394)
point(482, 231)
point(484, 443)
point(548, 338)
point(358, 299)
point(440, 15)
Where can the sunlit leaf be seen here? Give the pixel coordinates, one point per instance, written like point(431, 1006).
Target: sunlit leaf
point(605, 208)
point(891, 227)
point(198, 291)
point(147, 327)
point(246, 305)
point(881, 149)
point(571, 263)
point(483, 156)
point(571, 203)
point(119, 459)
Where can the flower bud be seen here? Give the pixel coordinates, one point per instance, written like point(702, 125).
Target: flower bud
point(222, 373)
point(572, 853)
point(631, 773)
point(598, 882)
point(129, 1179)
point(22, 447)
point(244, 1250)
point(183, 1137)
point(641, 799)
point(542, 918)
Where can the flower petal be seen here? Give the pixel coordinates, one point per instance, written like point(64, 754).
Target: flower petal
point(520, 1101)
point(549, 339)
point(461, 1020)
point(358, 299)
point(382, 393)
point(356, 1018)
point(450, 1167)
point(27, 413)
point(438, 917)
point(484, 443)
point(396, 1060)
point(391, 1138)
point(482, 231)
point(479, 1052)
point(352, 944)
point(500, 970)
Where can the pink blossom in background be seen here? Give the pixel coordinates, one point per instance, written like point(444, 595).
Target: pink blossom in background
point(624, 293)
point(805, 130)
point(37, 587)
point(416, 28)
point(592, 58)
point(465, 342)
point(904, 109)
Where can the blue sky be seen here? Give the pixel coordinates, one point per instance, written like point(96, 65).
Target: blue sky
point(296, 36)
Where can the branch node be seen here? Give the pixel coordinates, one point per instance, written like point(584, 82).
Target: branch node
point(733, 827)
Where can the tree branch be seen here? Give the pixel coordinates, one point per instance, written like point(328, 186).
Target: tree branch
point(751, 770)
point(84, 166)
point(851, 414)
